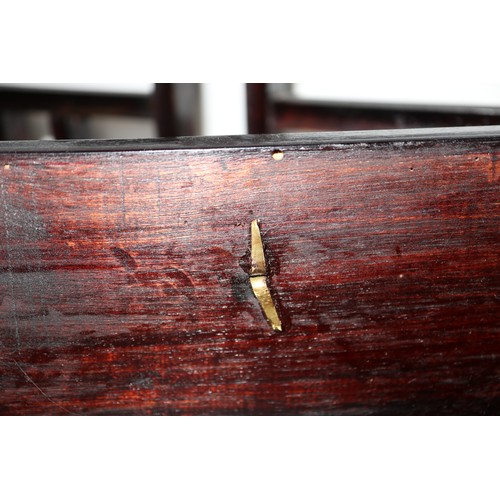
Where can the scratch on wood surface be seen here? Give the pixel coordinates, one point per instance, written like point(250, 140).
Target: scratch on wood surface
point(29, 379)
point(493, 172)
point(124, 258)
point(158, 191)
point(122, 190)
point(9, 264)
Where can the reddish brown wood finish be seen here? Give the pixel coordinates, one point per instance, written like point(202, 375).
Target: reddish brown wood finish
point(124, 285)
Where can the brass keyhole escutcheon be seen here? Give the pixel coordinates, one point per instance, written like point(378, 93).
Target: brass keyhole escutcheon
point(258, 278)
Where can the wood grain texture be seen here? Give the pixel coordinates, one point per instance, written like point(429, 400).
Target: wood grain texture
point(124, 283)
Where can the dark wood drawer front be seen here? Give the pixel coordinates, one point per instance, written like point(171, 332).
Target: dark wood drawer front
point(124, 284)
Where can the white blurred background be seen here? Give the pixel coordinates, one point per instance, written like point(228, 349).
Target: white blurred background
point(224, 107)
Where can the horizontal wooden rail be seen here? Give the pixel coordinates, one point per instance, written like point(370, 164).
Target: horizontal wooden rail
point(125, 275)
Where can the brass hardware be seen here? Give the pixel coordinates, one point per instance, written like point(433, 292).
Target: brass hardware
point(258, 279)
point(258, 260)
point(277, 155)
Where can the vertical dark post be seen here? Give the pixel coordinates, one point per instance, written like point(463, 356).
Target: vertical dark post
point(60, 125)
point(3, 132)
point(177, 109)
point(163, 109)
point(257, 108)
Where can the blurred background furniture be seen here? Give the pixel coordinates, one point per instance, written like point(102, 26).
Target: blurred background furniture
point(168, 110)
point(275, 107)
point(130, 111)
